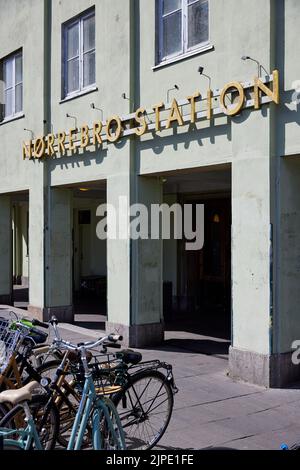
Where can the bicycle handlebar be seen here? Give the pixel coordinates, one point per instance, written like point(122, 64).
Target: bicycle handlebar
point(58, 341)
point(114, 338)
point(74, 347)
point(36, 322)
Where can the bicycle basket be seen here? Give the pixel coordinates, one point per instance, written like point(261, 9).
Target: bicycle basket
point(4, 325)
point(105, 377)
point(8, 345)
point(105, 374)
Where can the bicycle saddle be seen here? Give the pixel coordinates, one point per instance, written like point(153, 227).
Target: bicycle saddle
point(18, 396)
point(129, 356)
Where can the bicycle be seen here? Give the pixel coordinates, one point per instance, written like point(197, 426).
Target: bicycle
point(18, 338)
point(107, 432)
point(145, 398)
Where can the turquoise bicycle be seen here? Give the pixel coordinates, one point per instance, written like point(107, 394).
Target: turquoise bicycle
point(96, 413)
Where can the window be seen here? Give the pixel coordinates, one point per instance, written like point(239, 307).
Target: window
point(79, 54)
point(12, 73)
point(183, 27)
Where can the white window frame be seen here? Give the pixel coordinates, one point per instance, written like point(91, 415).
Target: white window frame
point(66, 26)
point(185, 50)
point(12, 58)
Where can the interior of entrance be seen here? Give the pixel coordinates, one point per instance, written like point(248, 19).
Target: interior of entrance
point(89, 264)
point(20, 249)
point(197, 284)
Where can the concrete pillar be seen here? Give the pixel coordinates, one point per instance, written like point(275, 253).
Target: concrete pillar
point(147, 274)
point(118, 263)
point(286, 273)
point(59, 294)
point(135, 271)
point(36, 252)
point(5, 251)
point(250, 354)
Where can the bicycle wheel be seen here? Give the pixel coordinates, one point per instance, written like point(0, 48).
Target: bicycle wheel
point(67, 407)
point(145, 406)
point(15, 419)
point(112, 433)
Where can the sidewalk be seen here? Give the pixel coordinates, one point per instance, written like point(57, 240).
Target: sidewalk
point(210, 408)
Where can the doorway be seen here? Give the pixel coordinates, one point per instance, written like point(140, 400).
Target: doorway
point(197, 284)
point(89, 263)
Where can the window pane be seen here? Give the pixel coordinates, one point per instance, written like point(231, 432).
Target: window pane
point(19, 69)
point(172, 28)
point(73, 76)
point(89, 75)
point(19, 98)
point(171, 5)
point(73, 41)
point(198, 23)
point(8, 73)
point(89, 33)
point(8, 103)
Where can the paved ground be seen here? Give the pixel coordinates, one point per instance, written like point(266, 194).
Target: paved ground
point(210, 408)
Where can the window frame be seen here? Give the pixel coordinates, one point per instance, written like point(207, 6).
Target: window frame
point(12, 58)
point(185, 49)
point(78, 20)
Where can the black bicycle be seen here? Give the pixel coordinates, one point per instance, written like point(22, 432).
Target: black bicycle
point(145, 398)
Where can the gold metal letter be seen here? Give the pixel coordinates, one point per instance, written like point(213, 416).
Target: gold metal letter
point(97, 128)
point(85, 137)
point(39, 147)
point(110, 136)
point(27, 150)
point(260, 86)
point(157, 108)
point(50, 144)
point(140, 118)
point(192, 100)
point(240, 103)
point(72, 134)
point(61, 142)
point(175, 115)
point(209, 104)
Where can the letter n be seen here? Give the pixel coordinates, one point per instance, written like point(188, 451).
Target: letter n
point(259, 86)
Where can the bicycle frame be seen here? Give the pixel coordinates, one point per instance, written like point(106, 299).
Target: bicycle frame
point(101, 408)
point(27, 437)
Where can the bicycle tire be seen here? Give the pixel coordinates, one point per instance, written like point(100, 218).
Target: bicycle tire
point(67, 416)
point(133, 438)
point(37, 404)
point(112, 433)
point(66, 413)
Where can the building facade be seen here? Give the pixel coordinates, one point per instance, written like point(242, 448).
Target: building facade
point(172, 101)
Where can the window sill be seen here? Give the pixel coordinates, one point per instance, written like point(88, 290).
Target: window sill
point(12, 118)
point(187, 55)
point(79, 94)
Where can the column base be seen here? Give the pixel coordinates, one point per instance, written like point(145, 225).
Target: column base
point(63, 314)
point(271, 371)
point(25, 281)
point(6, 299)
point(138, 336)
